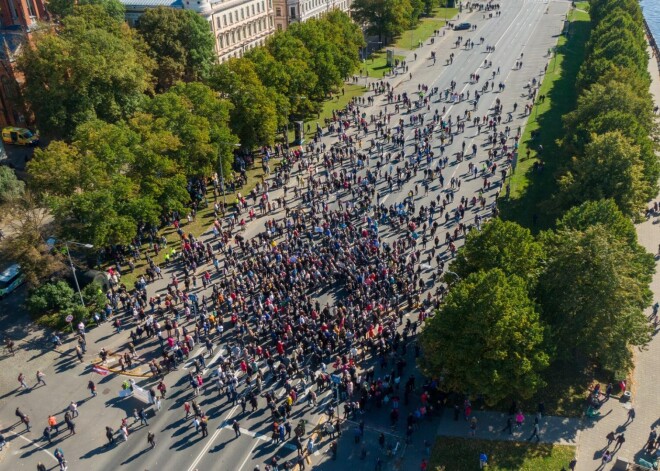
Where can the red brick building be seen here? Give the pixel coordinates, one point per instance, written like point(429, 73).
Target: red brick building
point(18, 18)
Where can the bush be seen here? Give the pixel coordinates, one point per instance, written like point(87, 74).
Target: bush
point(51, 303)
point(49, 298)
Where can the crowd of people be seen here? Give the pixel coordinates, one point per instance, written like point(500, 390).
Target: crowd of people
point(321, 277)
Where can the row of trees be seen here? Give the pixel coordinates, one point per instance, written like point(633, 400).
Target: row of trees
point(577, 292)
point(290, 77)
point(137, 114)
point(524, 301)
point(610, 133)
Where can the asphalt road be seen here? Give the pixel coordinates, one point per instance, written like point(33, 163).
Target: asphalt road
point(523, 27)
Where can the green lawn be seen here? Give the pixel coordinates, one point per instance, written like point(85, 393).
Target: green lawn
point(531, 191)
point(376, 65)
point(424, 30)
point(582, 6)
point(462, 454)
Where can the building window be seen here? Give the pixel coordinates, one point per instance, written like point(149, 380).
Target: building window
point(293, 13)
point(278, 12)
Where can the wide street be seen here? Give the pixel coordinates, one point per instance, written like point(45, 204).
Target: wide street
point(525, 30)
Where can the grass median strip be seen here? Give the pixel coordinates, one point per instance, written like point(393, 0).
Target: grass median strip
point(531, 188)
point(462, 454)
point(410, 39)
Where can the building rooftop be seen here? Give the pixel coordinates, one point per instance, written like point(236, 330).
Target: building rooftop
point(153, 3)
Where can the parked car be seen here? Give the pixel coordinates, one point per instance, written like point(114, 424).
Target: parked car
point(462, 26)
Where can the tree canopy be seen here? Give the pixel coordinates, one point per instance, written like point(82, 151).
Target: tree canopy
point(500, 244)
point(384, 18)
point(593, 292)
point(180, 42)
point(610, 168)
point(94, 67)
point(487, 339)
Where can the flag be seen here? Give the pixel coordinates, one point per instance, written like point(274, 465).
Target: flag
point(100, 370)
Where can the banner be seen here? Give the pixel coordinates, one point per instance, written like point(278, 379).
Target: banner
point(100, 370)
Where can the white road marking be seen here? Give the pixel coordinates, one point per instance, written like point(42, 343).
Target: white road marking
point(32, 442)
point(210, 441)
point(248, 456)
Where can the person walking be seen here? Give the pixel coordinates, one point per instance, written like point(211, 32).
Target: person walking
point(26, 421)
point(143, 417)
point(41, 467)
point(631, 417)
point(71, 425)
point(535, 433)
point(620, 440)
point(483, 460)
point(162, 388)
point(509, 425)
point(607, 457)
point(473, 426)
point(151, 439)
point(59, 455)
point(40, 379)
point(52, 423)
point(21, 381)
point(237, 428)
point(92, 387)
point(123, 431)
point(73, 408)
point(110, 435)
point(48, 434)
point(610, 438)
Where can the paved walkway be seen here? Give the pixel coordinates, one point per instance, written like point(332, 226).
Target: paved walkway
point(646, 377)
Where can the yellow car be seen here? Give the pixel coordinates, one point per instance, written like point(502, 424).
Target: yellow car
point(19, 136)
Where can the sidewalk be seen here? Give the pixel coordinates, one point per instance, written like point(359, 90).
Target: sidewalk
point(646, 377)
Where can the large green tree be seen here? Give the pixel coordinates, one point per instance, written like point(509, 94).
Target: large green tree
point(181, 43)
point(487, 339)
point(504, 245)
point(609, 168)
point(93, 67)
point(384, 18)
point(253, 116)
point(62, 8)
point(112, 178)
point(195, 114)
point(593, 293)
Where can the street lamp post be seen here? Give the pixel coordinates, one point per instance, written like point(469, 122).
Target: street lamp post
point(73, 269)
